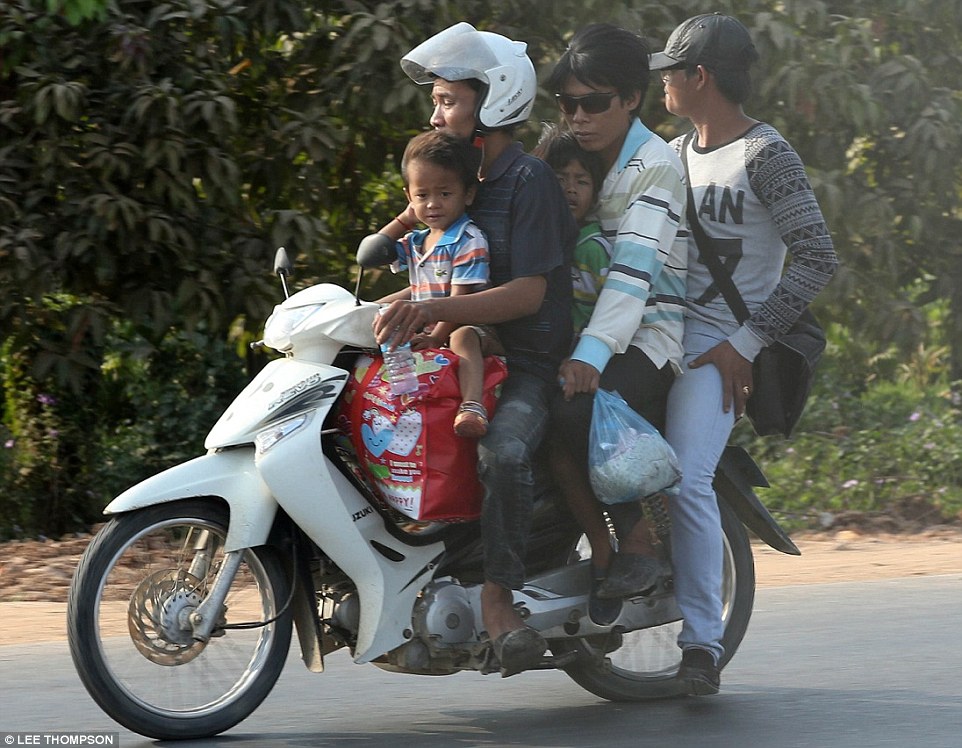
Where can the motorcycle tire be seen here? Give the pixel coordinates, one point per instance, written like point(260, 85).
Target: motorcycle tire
point(641, 665)
point(129, 634)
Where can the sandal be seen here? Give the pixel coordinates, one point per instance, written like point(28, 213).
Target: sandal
point(472, 420)
point(632, 574)
point(602, 611)
point(519, 650)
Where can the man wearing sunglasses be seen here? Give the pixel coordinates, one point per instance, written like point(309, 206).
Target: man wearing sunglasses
point(633, 340)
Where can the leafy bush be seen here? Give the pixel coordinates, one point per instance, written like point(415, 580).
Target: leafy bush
point(169, 400)
point(888, 451)
point(65, 455)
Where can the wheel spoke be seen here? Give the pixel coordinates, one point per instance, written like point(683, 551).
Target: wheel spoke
point(130, 623)
point(645, 663)
point(158, 622)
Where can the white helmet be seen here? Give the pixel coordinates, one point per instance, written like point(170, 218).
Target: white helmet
point(461, 52)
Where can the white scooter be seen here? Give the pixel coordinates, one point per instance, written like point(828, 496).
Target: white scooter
point(181, 609)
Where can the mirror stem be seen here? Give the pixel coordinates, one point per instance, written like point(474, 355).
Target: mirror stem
point(357, 286)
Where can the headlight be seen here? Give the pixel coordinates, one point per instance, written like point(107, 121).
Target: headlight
point(270, 436)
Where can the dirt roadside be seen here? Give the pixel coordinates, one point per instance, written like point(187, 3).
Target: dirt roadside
point(34, 576)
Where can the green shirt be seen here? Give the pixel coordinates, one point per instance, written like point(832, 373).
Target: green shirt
point(588, 271)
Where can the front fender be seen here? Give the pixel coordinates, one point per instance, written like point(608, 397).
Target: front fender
point(230, 475)
point(735, 476)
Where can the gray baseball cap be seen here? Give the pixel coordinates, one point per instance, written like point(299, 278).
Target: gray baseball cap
point(712, 40)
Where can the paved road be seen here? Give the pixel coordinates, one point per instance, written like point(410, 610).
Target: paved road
point(833, 665)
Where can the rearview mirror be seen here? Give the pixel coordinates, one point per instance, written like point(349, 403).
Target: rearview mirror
point(282, 263)
point(376, 250)
point(283, 268)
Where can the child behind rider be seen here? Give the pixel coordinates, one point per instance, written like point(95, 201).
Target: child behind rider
point(580, 173)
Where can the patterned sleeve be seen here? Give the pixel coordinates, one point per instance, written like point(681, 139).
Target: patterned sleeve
point(778, 178)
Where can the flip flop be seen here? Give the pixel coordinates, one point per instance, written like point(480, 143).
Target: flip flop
point(519, 650)
point(602, 611)
point(632, 574)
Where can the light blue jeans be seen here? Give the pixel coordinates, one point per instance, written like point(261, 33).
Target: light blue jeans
point(698, 430)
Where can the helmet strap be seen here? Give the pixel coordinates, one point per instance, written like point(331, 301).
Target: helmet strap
point(478, 142)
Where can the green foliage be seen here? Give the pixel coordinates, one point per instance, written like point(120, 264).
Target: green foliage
point(142, 136)
point(65, 455)
point(900, 457)
point(170, 400)
point(40, 451)
point(154, 155)
point(77, 11)
point(876, 440)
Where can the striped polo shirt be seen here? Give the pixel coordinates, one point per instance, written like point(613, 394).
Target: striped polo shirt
point(460, 257)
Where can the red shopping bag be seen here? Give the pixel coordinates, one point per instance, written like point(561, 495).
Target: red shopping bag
point(406, 444)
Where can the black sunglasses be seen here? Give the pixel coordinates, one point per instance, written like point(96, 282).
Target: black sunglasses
point(593, 103)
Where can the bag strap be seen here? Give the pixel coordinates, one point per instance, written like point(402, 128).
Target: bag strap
point(706, 252)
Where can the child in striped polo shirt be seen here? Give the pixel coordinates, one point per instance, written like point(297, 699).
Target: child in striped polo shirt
point(448, 258)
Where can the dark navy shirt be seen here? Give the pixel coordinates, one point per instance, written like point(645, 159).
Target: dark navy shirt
point(530, 229)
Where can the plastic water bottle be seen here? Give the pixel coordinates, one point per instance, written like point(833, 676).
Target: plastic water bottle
point(399, 367)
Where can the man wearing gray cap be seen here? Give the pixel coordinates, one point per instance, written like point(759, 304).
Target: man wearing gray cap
point(752, 200)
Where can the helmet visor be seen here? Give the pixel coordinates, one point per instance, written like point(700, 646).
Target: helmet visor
point(458, 53)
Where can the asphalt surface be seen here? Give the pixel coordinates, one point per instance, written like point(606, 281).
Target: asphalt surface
point(844, 664)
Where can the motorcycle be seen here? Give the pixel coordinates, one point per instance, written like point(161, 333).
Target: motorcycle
point(181, 610)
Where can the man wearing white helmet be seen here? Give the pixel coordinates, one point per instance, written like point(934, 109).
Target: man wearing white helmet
point(483, 86)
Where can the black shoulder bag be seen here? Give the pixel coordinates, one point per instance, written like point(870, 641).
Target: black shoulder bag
point(783, 371)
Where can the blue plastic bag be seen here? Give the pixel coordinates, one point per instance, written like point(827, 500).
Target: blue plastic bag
point(627, 458)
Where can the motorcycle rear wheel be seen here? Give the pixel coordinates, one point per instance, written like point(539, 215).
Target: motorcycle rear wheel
point(127, 623)
point(644, 665)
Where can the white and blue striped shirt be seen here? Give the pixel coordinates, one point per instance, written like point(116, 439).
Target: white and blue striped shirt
point(641, 210)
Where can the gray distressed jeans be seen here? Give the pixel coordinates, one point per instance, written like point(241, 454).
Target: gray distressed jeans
point(505, 465)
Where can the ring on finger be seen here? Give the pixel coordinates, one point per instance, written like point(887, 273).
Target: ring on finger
point(747, 390)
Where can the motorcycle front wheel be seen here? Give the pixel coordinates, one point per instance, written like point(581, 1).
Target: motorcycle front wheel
point(641, 665)
point(130, 636)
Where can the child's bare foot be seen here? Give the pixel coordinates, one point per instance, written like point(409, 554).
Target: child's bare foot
point(472, 420)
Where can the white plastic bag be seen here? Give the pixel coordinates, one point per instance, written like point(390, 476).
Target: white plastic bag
point(627, 458)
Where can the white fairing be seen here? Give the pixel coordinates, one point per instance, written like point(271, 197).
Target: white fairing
point(283, 387)
point(229, 475)
point(311, 327)
point(265, 451)
point(317, 322)
point(388, 573)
